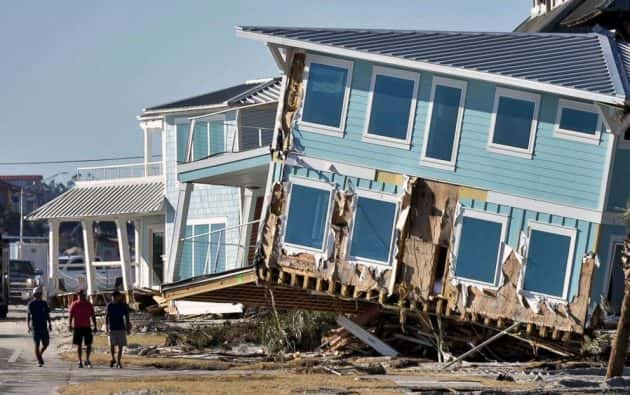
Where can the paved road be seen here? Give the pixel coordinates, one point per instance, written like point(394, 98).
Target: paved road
point(19, 373)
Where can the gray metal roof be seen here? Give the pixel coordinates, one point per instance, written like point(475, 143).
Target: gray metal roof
point(575, 61)
point(263, 91)
point(104, 200)
point(624, 55)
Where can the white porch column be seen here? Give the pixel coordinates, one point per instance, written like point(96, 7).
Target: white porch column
point(181, 215)
point(138, 242)
point(148, 150)
point(89, 255)
point(123, 252)
point(53, 258)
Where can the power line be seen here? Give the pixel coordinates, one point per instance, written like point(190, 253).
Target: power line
point(53, 162)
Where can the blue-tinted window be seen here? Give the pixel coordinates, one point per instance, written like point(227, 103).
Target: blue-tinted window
point(200, 141)
point(182, 141)
point(513, 122)
point(443, 123)
point(372, 230)
point(579, 121)
point(547, 262)
point(201, 249)
point(217, 137)
point(308, 212)
point(391, 103)
point(217, 248)
point(325, 91)
point(479, 246)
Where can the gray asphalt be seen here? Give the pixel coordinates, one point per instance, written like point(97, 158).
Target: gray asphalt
point(19, 373)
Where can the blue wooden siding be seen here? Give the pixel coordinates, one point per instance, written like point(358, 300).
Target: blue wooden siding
point(341, 181)
point(561, 171)
point(619, 191)
point(518, 220)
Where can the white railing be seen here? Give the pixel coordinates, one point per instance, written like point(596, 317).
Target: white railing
point(116, 172)
point(240, 139)
point(230, 249)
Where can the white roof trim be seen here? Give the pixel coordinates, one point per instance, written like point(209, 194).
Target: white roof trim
point(447, 70)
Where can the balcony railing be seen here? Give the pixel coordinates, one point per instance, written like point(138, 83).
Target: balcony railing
point(117, 172)
point(217, 251)
point(239, 139)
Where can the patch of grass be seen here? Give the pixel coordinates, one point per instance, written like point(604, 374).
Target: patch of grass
point(298, 330)
point(145, 340)
point(237, 384)
point(103, 359)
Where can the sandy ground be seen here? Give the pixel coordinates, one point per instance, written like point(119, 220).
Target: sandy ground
point(302, 374)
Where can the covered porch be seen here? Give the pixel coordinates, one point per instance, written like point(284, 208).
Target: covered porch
point(135, 206)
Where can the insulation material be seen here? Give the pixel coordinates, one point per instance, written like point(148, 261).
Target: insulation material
point(292, 99)
point(504, 303)
point(431, 216)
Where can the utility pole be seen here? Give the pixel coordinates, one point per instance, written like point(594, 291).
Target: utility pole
point(20, 246)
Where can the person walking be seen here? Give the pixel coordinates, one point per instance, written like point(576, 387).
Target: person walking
point(118, 327)
point(81, 312)
point(38, 323)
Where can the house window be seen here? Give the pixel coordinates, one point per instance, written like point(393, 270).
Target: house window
point(373, 230)
point(514, 123)
point(308, 214)
point(208, 138)
point(182, 130)
point(479, 247)
point(549, 257)
point(577, 121)
point(327, 93)
point(446, 110)
point(203, 249)
point(616, 282)
point(391, 107)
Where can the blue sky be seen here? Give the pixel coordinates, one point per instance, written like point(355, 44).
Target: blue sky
point(74, 74)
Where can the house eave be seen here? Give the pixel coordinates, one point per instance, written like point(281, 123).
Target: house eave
point(431, 67)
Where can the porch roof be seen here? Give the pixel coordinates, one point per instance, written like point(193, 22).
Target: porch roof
point(104, 200)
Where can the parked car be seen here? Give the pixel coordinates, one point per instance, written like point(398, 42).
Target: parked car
point(23, 277)
point(72, 274)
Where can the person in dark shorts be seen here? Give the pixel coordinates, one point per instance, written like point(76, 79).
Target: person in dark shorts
point(117, 326)
point(38, 322)
point(81, 312)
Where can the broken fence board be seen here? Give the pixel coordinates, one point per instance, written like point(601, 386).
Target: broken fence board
point(366, 337)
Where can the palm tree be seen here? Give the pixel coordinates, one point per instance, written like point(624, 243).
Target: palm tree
point(620, 343)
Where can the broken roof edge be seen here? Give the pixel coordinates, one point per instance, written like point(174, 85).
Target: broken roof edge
point(617, 100)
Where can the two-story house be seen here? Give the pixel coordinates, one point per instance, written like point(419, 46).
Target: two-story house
point(233, 120)
point(471, 175)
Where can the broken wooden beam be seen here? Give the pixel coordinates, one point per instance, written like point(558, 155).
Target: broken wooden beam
point(366, 337)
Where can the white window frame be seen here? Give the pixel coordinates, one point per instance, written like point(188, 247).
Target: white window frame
point(315, 184)
point(507, 149)
point(438, 163)
point(390, 141)
point(327, 130)
point(489, 217)
point(615, 240)
point(385, 197)
point(558, 230)
point(572, 134)
point(202, 221)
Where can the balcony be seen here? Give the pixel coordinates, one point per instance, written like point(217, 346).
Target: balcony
point(122, 172)
point(243, 162)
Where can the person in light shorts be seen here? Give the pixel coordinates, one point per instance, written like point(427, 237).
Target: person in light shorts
point(118, 326)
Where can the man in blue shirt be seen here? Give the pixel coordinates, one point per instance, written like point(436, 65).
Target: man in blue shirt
point(118, 326)
point(36, 319)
